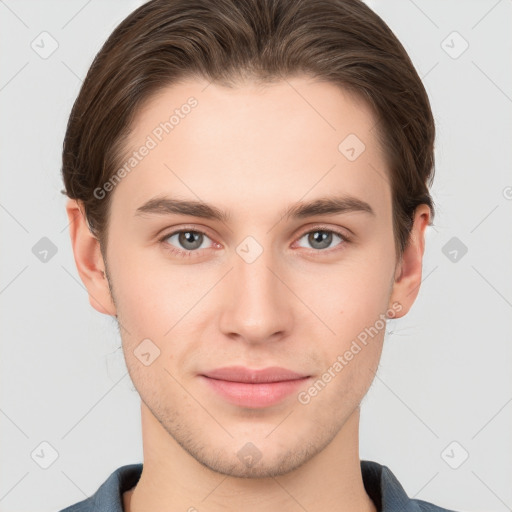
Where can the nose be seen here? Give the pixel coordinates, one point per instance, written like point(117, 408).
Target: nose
point(257, 305)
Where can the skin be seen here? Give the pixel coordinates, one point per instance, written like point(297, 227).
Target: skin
point(252, 151)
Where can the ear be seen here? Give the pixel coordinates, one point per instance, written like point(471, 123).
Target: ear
point(88, 259)
point(407, 279)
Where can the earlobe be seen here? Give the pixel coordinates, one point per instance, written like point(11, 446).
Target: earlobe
point(408, 273)
point(88, 259)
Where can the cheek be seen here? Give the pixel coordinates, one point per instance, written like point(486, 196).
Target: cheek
point(354, 306)
point(165, 303)
point(154, 294)
point(349, 296)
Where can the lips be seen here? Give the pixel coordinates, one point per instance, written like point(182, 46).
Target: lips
point(248, 388)
point(242, 374)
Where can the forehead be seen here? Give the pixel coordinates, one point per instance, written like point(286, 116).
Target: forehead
point(288, 139)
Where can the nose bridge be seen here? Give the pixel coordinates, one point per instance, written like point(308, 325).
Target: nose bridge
point(256, 307)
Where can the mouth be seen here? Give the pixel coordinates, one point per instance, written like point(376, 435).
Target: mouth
point(255, 389)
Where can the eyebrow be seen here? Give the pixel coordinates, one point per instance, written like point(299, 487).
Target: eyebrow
point(330, 205)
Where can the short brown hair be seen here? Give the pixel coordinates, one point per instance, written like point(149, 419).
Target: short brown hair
point(163, 41)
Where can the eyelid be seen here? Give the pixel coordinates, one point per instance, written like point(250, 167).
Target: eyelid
point(180, 229)
point(347, 238)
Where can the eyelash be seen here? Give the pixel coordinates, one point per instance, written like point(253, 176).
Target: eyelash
point(188, 254)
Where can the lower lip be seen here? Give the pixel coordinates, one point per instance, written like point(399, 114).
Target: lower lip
point(254, 395)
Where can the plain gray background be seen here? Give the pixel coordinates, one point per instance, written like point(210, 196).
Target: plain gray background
point(444, 388)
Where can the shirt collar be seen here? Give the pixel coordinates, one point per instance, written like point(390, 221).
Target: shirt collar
point(380, 484)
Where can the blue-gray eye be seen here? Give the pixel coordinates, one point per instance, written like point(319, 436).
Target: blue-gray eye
point(320, 238)
point(188, 240)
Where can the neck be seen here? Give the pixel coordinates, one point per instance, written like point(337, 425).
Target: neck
point(173, 480)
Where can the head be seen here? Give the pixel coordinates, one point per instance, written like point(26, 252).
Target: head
point(249, 185)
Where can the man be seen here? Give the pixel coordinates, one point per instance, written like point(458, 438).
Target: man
point(248, 184)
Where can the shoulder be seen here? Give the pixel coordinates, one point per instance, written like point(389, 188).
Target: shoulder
point(388, 494)
point(108, 497)
point(425, 506)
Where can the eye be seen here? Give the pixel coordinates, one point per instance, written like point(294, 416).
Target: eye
point(321, 239)
point(186, 241)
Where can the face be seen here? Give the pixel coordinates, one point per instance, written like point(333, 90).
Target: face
point(247, 278)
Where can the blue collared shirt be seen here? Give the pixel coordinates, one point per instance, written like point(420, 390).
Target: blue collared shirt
point(380, 483)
